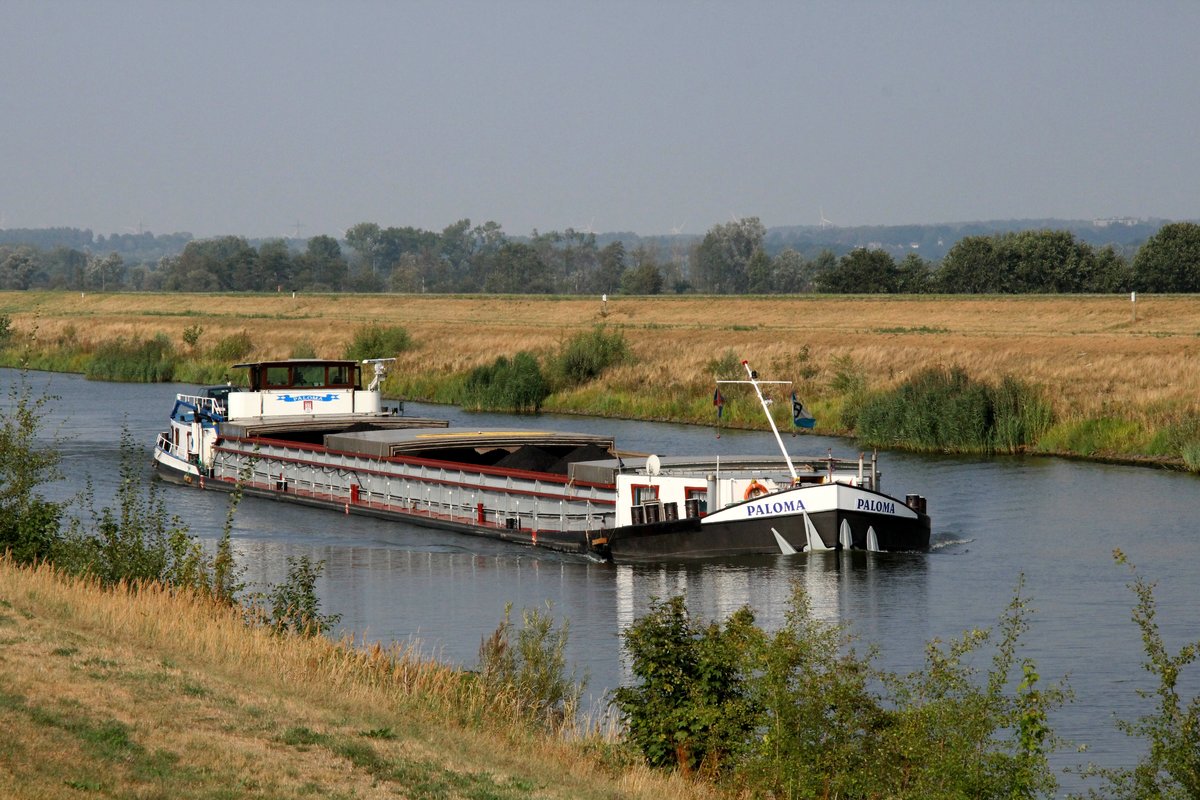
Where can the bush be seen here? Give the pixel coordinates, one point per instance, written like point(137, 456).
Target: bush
point(191, 335)
point(134, 361)
point(692, 709)
point(234, 347)
point(944, 410)
point(378, 341)
point(533, 671)
point(1171, 767)
point(799, 714)
point(587, 355)
point(294, 605)
point(726, 367)
point(517, 386)
point(29, 524)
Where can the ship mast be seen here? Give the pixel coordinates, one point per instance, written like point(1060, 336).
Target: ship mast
point(755, 382)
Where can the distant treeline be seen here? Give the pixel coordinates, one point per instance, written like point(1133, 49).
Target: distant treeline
point(737, 257)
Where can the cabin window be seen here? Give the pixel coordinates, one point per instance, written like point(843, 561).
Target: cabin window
point(278, 378)
point(339, 375)
point(700, 495)
point(310, 375)
point(644, 494)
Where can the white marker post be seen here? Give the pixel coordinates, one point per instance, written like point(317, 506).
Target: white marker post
point(1133, 304)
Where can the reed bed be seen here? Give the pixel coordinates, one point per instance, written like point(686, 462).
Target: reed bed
point(184, 689)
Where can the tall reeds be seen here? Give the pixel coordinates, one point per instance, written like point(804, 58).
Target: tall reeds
point(945, 410)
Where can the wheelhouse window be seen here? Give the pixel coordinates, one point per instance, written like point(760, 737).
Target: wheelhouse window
point(339, 375)
point(309, 375)
point(278, 377)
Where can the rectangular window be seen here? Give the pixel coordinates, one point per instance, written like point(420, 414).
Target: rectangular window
point(310, 375)
point(278, 378)
point(644, 494)
point(339, 375)
point(699, 494)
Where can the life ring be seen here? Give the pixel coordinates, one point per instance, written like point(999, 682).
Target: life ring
point(755, 489)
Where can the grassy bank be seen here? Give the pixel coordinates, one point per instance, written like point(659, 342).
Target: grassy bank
point(1115, 387)
point(163, 694)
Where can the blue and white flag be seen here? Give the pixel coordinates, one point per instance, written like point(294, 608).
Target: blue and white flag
point(800, 416)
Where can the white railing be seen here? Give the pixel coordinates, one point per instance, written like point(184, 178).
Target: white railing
point(201, 403)
point(165, 444)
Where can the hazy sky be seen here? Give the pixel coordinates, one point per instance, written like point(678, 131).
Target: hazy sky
point(256, 117)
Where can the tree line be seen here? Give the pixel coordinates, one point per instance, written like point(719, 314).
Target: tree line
point(731, 258)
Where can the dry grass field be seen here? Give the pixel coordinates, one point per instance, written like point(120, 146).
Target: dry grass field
point(1093, 359)
point(158, 694)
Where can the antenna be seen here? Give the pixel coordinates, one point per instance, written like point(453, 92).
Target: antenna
point(380, 371)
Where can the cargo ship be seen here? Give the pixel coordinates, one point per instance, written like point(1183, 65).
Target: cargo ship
point(307, 431)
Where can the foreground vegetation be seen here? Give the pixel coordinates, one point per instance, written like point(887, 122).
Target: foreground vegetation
point(1099, 378)
point(137, 664)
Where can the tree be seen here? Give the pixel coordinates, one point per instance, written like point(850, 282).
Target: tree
point(723, 258)
point(323, 263)
point(364, 239)
point(1169, 261)
point(792, 273)
point(862, 271)
point(914, 275)
point(642, 279)
point(17, 270)
point(972, 266)
point(760, 274)
point(611, 268)
point(275, 265)
point(517, 268)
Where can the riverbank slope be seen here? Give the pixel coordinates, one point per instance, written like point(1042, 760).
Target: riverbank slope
point(163, 694)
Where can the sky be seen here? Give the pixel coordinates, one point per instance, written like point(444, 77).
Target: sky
point(296, 117)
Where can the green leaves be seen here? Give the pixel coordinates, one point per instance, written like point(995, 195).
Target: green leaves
point(799, 713)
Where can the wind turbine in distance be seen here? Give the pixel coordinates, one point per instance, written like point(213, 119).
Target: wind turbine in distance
point(824, 223)
point(678, 229)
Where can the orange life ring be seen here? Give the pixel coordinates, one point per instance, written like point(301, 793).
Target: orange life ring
point(755, 489)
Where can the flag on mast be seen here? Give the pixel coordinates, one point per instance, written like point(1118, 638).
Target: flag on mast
point(719, 402)
point(800, 416)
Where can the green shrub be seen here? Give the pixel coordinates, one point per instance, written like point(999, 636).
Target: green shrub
point(378, 341)
point(294, 605)
point(29, 524)
point(1171, 766)
point(517, 386)
point(234, 347)
point(134, 361)
point(191, 335)
point(944, 410)
point(6, 331)
point(726, 367)
point(587, 355)
point(692, 707)
point(799, 714)
point(533, 670)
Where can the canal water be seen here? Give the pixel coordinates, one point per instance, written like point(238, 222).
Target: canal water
point(1053, 523)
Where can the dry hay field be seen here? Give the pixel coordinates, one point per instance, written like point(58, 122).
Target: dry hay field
point(1089, 352)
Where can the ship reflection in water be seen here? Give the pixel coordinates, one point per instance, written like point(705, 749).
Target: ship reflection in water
point(446, 600)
